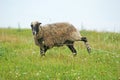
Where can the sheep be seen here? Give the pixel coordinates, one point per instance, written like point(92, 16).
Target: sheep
point(56, 34)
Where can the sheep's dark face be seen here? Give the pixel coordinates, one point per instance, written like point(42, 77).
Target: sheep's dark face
point(35, 27)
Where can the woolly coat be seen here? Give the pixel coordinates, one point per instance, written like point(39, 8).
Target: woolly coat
point(56, 34)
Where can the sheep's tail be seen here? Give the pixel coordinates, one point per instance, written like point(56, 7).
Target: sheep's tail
point(88, 47)
point(86, 44)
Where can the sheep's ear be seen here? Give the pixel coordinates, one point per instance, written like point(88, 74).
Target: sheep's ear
point(39, 23)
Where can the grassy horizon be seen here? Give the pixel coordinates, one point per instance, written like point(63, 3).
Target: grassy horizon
point(20, 58)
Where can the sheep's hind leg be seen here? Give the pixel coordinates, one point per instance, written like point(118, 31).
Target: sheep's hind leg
point(86, 43)
point(71, 47)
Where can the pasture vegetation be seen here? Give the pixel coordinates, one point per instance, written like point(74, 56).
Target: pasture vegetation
point(20, 59)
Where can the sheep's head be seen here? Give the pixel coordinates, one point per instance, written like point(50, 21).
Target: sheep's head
point(35, 27)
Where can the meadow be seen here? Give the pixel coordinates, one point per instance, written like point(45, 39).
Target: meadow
point(20, 58)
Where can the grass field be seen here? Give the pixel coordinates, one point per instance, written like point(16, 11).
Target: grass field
point(20, 59)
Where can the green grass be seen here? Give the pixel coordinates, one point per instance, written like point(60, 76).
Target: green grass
point(20, 59)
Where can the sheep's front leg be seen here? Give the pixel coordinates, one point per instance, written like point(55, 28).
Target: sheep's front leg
point(42, 53)
point(86, 43)
point(43, 50)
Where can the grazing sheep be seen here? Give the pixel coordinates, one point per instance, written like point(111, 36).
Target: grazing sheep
point(57, 34)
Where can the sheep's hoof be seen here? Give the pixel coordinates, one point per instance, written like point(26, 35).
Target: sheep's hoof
point(74, 54)
point(42, 55)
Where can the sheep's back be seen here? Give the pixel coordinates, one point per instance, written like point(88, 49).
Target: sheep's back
point(58, 33)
